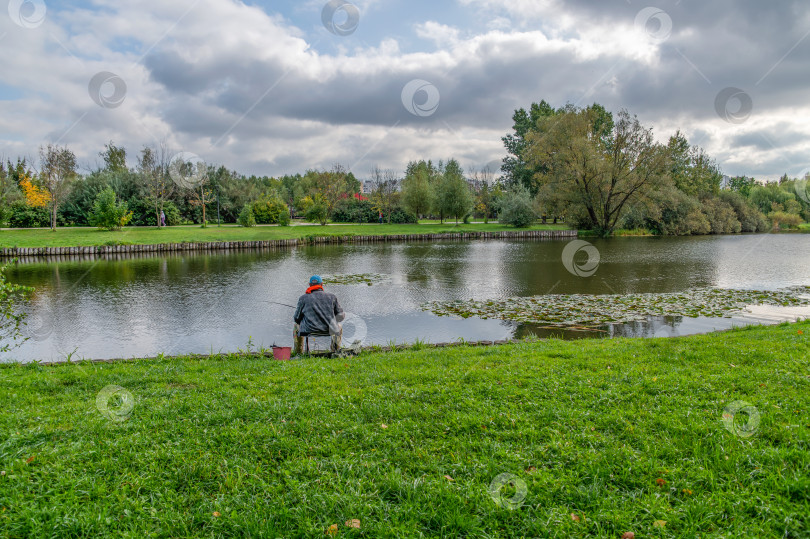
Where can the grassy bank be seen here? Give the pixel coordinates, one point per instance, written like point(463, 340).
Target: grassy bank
point(619, 232)
point(607, 436)
point(82, 237)
point(646, 232)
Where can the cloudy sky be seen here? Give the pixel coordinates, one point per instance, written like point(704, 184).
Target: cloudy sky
point(274, 87)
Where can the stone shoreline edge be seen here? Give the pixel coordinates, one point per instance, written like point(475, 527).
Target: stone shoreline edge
point(279, 244)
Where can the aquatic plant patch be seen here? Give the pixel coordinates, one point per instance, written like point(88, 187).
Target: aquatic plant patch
point(359, 278)
point(596, 310)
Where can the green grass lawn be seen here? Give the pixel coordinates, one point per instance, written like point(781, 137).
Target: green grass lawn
point(76, 237)
point(600, 437)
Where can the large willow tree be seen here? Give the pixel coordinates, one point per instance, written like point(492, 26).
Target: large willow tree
point(598, 169)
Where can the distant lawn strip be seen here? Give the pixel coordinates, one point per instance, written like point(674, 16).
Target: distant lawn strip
point(85, 237)
point(598, 438)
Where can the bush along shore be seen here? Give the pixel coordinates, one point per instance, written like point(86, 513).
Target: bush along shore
point(281, 243)
point(699, 436)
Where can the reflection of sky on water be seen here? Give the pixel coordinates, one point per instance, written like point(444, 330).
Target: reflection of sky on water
point(763, 261)
point(189, 302)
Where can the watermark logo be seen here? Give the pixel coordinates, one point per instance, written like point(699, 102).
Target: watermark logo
point(107, 90)
point(741, 419)
point(38, 325)
point(420, 98)
point(655, 23)
point(354, 330)
point(187, 170)
point(335, 9)
point(511, 482)
point(27, 13)
point(660, 328)
point(666, 331)
point(733, 105)
point(572, 258)
point(115, 403)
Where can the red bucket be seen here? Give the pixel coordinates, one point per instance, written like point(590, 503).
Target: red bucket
point(282, 353)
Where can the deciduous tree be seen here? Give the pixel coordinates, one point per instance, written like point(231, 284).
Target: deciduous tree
point(58, 168)
point(453, 196)
point(11, 317)
point(385, 191)
point(153, 167)
point(417, 187)
point(483, 197)
point(108, 213)
point(600, 173)
point(115, 158)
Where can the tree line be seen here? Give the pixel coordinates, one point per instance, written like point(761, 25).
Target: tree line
point(185, 190)
point(582, 166)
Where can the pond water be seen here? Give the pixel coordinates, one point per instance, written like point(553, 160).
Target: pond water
point(138, 306)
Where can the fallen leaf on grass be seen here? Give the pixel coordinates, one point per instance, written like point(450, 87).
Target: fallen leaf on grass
point(628, 535)
point(29, 460)
point(530, 469)
point(384, 426)
point(217, 514)
point(801, 332)
point(449, 478)
point(660, 482)
point(687, 491)
point(353, 523)
point(732, 365)
point(332, 530)
point(659, 523)
point(574, 517)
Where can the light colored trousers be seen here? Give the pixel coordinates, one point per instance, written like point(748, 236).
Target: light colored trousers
point(298, 341)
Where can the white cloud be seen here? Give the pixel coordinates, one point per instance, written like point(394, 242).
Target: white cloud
point(203, 70)
point(440, 34)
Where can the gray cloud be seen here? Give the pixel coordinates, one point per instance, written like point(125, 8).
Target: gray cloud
point(780, 135)
point(272, 105)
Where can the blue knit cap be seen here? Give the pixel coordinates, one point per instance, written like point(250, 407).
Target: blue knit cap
point(315, 279)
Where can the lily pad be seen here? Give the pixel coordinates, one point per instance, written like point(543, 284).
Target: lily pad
point(595, 310)
point(355, 278)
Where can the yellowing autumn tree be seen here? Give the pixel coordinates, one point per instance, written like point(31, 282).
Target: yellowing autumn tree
point(34, 196)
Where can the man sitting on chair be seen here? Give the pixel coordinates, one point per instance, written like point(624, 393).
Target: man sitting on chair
point(318, 314)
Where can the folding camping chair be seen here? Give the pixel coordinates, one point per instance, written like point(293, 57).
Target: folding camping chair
point(322, 334)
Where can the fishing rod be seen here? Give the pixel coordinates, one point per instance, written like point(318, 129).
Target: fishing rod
point(283, 304)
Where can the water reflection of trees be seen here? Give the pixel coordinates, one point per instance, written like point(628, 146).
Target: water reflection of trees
point(653, 326)
point(524, 330)
point(627, 265)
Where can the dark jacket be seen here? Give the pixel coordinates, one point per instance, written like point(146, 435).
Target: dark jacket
point(317, 313)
